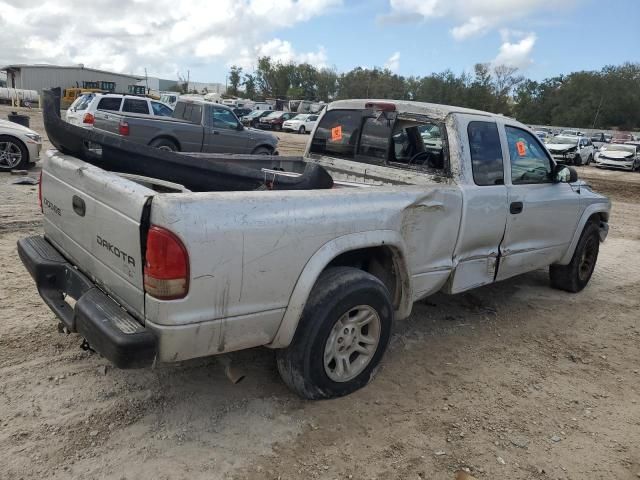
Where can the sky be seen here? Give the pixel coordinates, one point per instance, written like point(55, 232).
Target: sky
point(542, 38)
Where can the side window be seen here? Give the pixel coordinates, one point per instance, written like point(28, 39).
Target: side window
point(110, 103)
point(417, 145)
point(486, 153)
point(132, 105)
point(223, 118)
point(337, 133)
point(161, 109)
point(312, 118)
point(529, 161)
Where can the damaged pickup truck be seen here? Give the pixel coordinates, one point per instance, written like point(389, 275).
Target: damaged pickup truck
point(313, 256)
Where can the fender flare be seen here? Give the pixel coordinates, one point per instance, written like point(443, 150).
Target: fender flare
point(319, 261)
point(588, 212)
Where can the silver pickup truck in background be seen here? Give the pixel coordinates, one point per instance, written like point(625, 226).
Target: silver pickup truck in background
point(158, 273)
point(196, 126)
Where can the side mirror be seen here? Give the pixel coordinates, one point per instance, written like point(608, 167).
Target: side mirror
point(240, 127)
point(565, 174)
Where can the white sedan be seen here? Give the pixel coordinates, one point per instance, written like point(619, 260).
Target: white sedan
point(19, 146)
point(301, 123)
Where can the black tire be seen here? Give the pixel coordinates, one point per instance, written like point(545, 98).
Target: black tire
point(277, 127)
point(577, 160)
point(165, 144)
point(590, 159)
point(338, 292)
point(262, 151)
point(302, 130)
point(13, 147)
point(576, 275)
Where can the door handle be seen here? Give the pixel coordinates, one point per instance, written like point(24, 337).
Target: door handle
point(516, 207)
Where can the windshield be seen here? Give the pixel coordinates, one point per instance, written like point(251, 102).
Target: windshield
point(563, 140)
point(275, 115)
point(301, 116)
point(619, 148)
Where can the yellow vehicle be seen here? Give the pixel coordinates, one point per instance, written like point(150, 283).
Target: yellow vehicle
point(70, 94)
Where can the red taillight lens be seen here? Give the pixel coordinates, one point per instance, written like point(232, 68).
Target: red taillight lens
point(89, 119)
point(166, 266)
point(40, 192)
point(381, 106)
point(123, 128)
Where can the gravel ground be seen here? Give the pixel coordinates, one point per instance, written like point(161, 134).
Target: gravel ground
point(513, 380)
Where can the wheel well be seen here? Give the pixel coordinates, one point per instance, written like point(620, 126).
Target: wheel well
point(598, 217)
point(166, 137)
point(379, 262)
point(16, 139)
point(264, 145)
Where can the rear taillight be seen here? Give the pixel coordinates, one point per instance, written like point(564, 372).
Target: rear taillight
point(88, 119)
point(40, 192)
point(123, 128)
point(166, 266)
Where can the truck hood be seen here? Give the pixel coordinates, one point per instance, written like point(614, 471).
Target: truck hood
point(255, 134)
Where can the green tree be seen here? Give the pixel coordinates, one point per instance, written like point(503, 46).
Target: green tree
point(249, 84)
point(235, 76)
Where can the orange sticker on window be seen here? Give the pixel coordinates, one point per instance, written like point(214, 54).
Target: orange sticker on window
point(336, 133)
point(522, 150)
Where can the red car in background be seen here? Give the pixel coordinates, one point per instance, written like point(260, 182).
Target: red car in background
point(274, 120)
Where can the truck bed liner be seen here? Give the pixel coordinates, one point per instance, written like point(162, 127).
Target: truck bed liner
point(199, 172)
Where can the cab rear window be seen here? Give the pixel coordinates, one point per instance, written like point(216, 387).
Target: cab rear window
point(110, 103)
point(380, 138)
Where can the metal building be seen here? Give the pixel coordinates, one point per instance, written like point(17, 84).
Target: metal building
point(40, 77)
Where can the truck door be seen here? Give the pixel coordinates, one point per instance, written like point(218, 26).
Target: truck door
point(224, 133)
point(484, 211)
point(543, 215)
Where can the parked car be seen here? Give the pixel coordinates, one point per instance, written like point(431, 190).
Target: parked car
point(164, 275)
point(571, 133)
point(252, 119)
point(617, 155)
point(622, 138)
point(541, 134)
point(195, 126)
point(241, 112)
point(598, 140)
point(274, 120)
point(19, 146)
point(83, 110)
point(301, 123)
point(572, 150)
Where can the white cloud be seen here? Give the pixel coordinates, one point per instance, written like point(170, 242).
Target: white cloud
point(393, 63)
point(472, 17)
point(129, 35)
point(515, 53)
point(280, 51)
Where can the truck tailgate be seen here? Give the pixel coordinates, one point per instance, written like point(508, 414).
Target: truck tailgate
point(107, 121)
point(93, 218)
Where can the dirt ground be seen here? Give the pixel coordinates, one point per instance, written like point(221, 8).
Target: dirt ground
point(511, 381)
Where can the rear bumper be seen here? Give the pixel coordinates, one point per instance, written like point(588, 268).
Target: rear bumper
point(108, 328)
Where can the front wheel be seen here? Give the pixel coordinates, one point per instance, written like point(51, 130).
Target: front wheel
point(261, 151)
point(164, 144)
point(577, 160)
point(13, 154)
point(301, 130)
point(342, 335)
point(575, 276)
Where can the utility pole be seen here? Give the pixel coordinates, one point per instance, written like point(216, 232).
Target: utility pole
point(597, 112)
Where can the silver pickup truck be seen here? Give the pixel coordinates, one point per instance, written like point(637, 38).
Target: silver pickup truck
point(426, 198)
point(196, 126)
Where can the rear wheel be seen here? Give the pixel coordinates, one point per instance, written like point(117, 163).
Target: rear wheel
point(575, 276)
point(301, 130)
point(342, 335)
point(165, 144)
point(13, 154)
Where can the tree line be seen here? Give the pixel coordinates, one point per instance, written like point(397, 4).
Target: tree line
point(609, 98)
